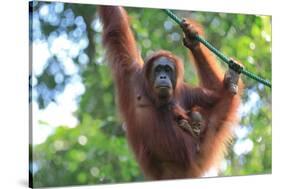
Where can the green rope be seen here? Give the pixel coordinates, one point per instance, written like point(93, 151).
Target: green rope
point(227, 60)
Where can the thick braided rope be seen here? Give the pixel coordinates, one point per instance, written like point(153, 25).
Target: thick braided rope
point(225, 59)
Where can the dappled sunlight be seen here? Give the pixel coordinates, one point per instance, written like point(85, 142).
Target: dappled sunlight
point(40, 56)
point(243, 146)
point(59, 113)
point(60, 104)
point(82, 140)
point(252, 105)
point(45, 121)
point(77, 130)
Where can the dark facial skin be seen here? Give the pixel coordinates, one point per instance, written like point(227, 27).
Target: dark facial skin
point(163, 74)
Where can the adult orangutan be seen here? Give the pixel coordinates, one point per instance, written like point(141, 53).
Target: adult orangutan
point(174, 130)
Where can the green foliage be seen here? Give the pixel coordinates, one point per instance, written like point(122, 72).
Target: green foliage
point(84, 155)
point(95, 151)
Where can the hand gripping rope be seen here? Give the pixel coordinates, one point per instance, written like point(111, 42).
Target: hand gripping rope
point(236, 67)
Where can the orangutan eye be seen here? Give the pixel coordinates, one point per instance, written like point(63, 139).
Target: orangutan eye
point(157, 69)
point(168, 69)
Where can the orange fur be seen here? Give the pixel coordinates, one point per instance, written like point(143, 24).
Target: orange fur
point(163, 150)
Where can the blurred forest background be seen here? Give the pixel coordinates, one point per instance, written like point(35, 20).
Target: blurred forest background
point(77, 136)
